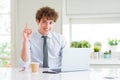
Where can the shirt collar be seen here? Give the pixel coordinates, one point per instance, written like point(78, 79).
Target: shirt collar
point(40, 35)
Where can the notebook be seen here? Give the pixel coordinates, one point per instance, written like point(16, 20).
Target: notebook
point(74, 59)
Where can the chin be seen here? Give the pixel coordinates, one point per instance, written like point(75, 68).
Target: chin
point(46, 33)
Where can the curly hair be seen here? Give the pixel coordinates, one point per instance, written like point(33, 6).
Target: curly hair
point(46, 12)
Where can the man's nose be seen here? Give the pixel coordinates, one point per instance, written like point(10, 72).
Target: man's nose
point(47, 24)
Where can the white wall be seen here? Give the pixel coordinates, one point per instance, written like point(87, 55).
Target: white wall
point(23, 11)
point(92, 7)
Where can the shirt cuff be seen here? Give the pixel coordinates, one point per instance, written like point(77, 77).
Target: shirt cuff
point(24, 64)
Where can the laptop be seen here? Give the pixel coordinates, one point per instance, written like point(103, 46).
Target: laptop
point(74, 59)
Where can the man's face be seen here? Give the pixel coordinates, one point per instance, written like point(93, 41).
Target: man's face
point(45, 26)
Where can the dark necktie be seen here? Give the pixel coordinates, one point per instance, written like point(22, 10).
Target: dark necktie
point(45, 52)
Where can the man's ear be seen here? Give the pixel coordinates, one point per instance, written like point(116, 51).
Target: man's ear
point(37, 21)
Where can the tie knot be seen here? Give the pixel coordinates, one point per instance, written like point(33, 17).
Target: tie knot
point(45, 39)
point(44, 36)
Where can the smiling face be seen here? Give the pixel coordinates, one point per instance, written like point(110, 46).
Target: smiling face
point(45, 26)
point(45, 18)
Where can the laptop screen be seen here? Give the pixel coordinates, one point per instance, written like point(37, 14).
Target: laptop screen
point(74, 59)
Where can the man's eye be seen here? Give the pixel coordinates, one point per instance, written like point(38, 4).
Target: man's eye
point(50, 22)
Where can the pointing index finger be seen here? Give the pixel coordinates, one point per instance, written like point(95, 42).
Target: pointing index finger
point(26, 26)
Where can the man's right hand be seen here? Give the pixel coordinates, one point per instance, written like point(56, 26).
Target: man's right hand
point(27, 33)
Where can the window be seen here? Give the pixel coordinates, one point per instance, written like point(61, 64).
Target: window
point(5, 33)
point(92, 31)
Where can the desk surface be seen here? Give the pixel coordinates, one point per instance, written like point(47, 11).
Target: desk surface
point(92, 74)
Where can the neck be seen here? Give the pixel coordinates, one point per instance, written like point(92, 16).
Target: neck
point(42, 33)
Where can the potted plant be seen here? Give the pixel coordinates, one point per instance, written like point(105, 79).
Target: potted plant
point(97, 46)
point(80, 44)
point(113, 44)
point(74, 44)
point(107, 54)
point(84, 44)
point(97, 49)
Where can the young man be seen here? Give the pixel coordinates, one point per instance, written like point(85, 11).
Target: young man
point(33, 49)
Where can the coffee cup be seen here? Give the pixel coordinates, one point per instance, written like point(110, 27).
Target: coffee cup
point(34, 66)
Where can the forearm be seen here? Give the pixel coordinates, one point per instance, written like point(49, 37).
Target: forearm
point(25, 54)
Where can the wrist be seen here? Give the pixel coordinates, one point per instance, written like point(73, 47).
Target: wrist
point(25, 41)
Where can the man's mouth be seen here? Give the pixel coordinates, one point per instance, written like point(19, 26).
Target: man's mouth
point(46, 29)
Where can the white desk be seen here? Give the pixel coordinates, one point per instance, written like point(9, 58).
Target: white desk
point(93, 74)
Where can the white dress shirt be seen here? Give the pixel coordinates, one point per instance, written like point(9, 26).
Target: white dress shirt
point(56, 44)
